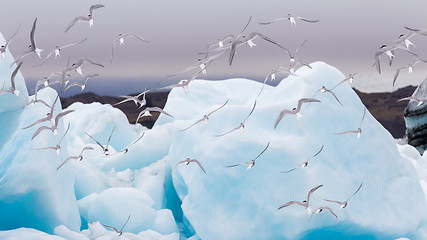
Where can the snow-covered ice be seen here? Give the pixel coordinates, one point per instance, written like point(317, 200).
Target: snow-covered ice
point(82, 197)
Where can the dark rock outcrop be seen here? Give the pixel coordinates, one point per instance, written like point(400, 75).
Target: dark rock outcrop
point(415, 115)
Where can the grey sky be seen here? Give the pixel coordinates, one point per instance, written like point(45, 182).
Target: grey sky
point(347, 36)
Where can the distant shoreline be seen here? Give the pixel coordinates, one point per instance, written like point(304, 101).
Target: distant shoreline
point(383, 106)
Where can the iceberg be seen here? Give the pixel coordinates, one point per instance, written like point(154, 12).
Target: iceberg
point(93, 198)
point(235, 203)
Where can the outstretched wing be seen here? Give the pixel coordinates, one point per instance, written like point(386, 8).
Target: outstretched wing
point(268, 144)
point(311, 192)
point(253, 108)
point(281, 115)
point(80, 18)
point(291, 203)
point(198, 163)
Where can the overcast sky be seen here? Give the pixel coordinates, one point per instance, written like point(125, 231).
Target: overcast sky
point(347, 36)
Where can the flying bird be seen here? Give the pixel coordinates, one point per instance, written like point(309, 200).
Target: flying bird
point(293, 57)
point(89, 17)
point(57, 148)
point(351, 76)
point(54, 128)
point(81, 85)
point(4, 47)
point(358, 131)
point(295, 111)
point(248, 39)
point(344, 204)
point(147, 110)
point(220, 41)
point(410, 68)
point(291, 18)
point(126, 149)
point(32, 48)
point(188, 161)
point(272, 76)
point(241, 125)
point(201, 63)
point(304, 203)
point(305, 163)
point(135, 99)
point(404, 39)
point(119, 232)
point(79, 157)
point(320, 209)
point(205, 117)
point(12, 88)
point(49, 116)
point(58, 49)
point(104, 149)
point(389, 51)
point(121, 40)
point(323, 89)
point(76, 67)
point(184, 83)
point(251, 164)
point(220, 44)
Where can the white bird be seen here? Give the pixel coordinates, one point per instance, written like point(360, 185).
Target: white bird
point(81, 85)
point(188, 161)
point(119, 232)
point(241, 125)
point(58, 49)
point(323, 89)
point(410, 68)
point(272, 76)
point(4, 47)
point(104, 149)
point(413, 98)
point(295, 111)
point(76, 67)
point(220, 41)
point(344, 204)
point(12, 88)
point(351, 76)
point(248, 39)
point(320, 209)
point(305, 163)
point(79, 157)
point(201, 63)
point(54, 128)
point(404, 39)
point(89, 17)
point(205, 118)
point(291, 18)
point(304, 203)
point(293, 57)
point(251, 164)
point(147, 110)
point(358, 131)
point(32, 48)
point(126, 149)
point(220, 44)
point(49, 116)
point(184, 83)
point(389, 51)
point(121, 40)
point(135, 99)
point(57, 148)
